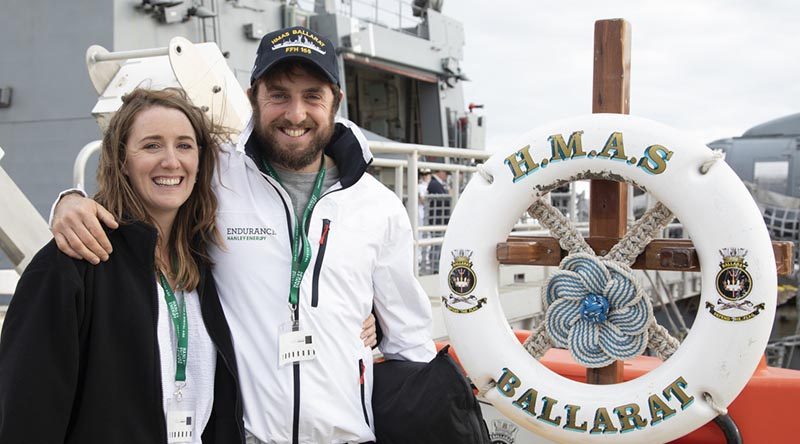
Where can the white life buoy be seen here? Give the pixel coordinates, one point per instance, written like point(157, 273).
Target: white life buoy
point(731, 328)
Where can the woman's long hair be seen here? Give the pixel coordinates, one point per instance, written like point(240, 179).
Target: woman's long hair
point(195, 227)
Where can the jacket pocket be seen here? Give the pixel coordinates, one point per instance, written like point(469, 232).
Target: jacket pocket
point(323, 243)
point(361, 372)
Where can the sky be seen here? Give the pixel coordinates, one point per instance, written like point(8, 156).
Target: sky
point(711, 68)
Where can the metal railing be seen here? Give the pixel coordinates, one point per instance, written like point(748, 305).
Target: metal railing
point(79, 167)
point(429, 214)
point(428, 231)
point(427, 235)
point(392, 14)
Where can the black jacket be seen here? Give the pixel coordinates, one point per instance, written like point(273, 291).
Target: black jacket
point(426, 403)
point(79, 359)
point(436, 187)
point(438, 203)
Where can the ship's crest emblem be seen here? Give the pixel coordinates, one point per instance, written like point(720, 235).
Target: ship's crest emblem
point(734, 283)
point(462, 281)
point(300, 41)
point(503, 432)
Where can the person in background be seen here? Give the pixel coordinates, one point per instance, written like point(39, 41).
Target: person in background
point(423, 253)
point(313, 244)
point(438, 199)
point(438, 183)
point(135, 349)
point(439, 202)
point(422, 189)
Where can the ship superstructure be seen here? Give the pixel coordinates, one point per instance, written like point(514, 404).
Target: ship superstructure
point(401, 62)
point(403, 82)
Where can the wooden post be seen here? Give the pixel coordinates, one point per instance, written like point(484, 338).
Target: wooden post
point(608, 200)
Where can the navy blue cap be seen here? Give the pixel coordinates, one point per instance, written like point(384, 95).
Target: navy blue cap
point(296, 43)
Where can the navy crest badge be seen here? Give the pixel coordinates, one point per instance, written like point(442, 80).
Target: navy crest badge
point(734, 283)
point(503, 432)
point(462, 281)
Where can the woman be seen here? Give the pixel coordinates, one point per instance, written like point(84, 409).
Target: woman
point(135, 349)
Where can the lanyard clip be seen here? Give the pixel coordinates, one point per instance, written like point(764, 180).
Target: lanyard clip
point(293, 317)
point(179, 385)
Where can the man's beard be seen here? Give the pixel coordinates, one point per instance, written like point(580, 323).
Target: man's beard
point(291, 156)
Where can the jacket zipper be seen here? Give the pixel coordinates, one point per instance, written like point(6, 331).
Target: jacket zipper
point(296, 365)
point(361, 371)
point(323, 243)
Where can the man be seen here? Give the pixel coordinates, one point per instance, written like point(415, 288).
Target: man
point(438, 184)
point(438, 200)
point(312, 245)
point(438, 209)
point(422, 189)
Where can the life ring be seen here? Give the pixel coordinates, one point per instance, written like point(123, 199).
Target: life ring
point(725, 344)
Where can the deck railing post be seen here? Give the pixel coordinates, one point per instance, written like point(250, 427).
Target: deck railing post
point(412, 203)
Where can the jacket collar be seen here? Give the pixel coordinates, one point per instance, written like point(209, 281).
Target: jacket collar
point(142, 238)
point(348, 148)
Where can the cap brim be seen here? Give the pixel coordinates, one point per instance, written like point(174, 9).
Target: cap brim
point(261, 72)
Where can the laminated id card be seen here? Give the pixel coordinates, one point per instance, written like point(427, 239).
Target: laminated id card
point(295, 345)
point(181, 418)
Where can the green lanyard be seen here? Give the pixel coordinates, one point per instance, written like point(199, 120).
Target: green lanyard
point(300, 238)
point(181, 323)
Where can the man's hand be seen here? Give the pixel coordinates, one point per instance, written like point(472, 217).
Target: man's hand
point(369, 334)
point(77, 230)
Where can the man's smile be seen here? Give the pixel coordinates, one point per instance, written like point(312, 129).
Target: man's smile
point(295, 132)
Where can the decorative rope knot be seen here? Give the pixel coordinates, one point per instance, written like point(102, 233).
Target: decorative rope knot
point(594, 308)
point(597, 310)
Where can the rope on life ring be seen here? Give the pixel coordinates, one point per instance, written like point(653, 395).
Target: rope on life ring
point(597, 310)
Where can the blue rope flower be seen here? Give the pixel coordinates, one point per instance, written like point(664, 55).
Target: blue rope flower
point(596, 309)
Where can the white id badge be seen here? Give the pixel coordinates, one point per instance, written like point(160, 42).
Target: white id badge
point(181, 418)
point(294, 346)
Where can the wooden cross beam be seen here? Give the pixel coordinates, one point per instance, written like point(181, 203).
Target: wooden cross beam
point(660, 254)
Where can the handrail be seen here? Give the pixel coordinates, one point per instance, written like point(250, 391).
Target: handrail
point(427, 150)
point(410, 163)
point(397, 14)
point(412, 153)
point(433, 166)
point(134, 54)
point(79, 168)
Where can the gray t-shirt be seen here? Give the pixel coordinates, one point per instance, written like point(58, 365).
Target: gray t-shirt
point(299, 185)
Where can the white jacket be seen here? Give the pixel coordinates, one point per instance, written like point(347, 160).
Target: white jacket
point(364, 261)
